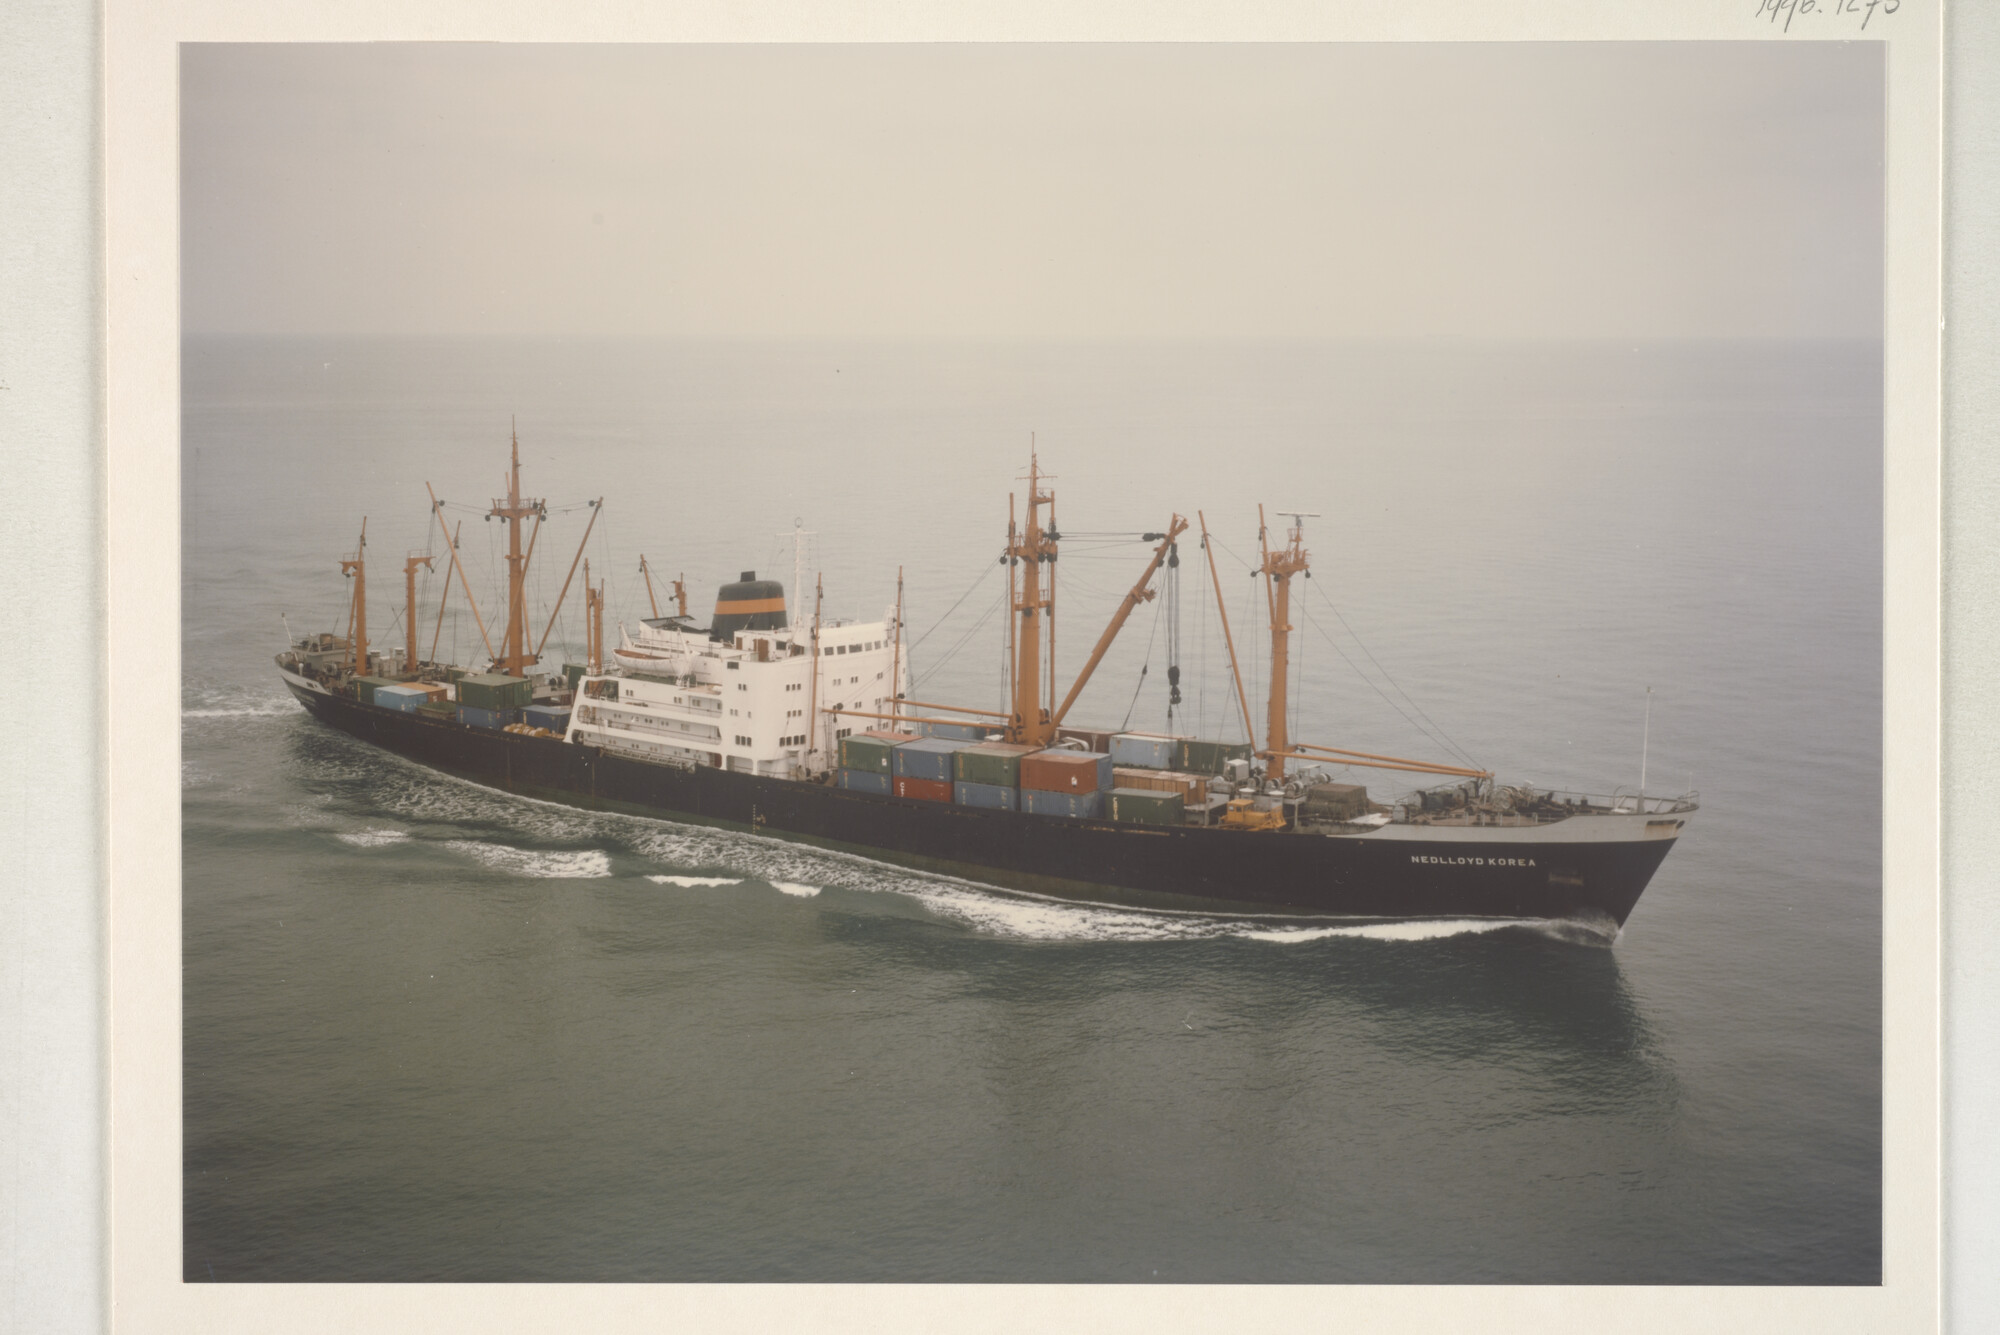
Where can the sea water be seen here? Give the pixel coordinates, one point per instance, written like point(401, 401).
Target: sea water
point(435, 1032)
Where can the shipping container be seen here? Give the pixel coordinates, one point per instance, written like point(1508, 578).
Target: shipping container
point(438, 709)
point(434, 690)
point(491, 691)
point(405, 698)
point(1208, 757)
point(1081, 806)
point(1148, 750)
point(957, 732)
point(1193, 788)
point(572, 674)
point(454, 674)
point(872, 751)
point(1066, 771)
point(1145, 806)
point(546, 716)
point(1095, 739)
point(927, 758)
point(992, 796)
point(992, 763)
point(364, 688)
point(865, 781)
point(923, 790)
point(475, 717)
point(1334, 802)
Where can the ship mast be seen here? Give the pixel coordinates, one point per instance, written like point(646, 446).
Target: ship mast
point(812, 688)
point(648, 576)
point(798, 535)
point(593, 624)
point(1278, 569)
point(1030, 546)
point(357, 639)
point(896, 659)
point(513, 508)
point(410, 565)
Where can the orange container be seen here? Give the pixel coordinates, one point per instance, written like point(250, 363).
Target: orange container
point(1193, 788)
point(924, 790)
point(1066, 771)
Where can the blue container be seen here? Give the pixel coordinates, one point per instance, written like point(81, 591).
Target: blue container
point(405, 698)
point(865, 781)
point(992, 796)
point(927, 758)
point(1144, 749)
point(1085, 806)
point(956, 732)
point(546, 716)
point(472, 716)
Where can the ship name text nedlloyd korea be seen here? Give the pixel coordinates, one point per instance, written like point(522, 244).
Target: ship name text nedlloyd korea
point(1472, 862)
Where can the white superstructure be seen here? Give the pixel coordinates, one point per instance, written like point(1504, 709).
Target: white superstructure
point(675, 694)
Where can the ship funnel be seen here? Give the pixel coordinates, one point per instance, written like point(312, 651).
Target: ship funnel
point(748, 604)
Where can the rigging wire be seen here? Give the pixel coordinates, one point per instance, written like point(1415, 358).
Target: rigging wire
point(1442, 741)
point(962, 641)
point(981, 579)
point(1143, 665)
point(1441, 735)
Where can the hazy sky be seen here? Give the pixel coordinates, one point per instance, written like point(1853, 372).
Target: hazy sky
point(1025, 191)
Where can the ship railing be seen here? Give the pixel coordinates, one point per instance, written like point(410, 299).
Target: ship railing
point(624, 720)
point(1623, 800)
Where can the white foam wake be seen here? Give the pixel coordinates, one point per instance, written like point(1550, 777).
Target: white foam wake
point(694, 881)
point(271, 710)
point(373, 838)
point(1424, 930)
point(583, 863)
point(794, 888)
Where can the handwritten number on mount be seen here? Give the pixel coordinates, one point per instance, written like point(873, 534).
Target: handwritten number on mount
point(1784, 11)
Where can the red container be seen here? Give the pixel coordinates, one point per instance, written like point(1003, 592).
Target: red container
point(924, 790)
point(1066, 771)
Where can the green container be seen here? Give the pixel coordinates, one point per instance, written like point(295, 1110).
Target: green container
point(572, 673)
point(444, 709)
point(870, 754)
point(455, 674)
point(488, 690)
point(1335, 801)
point(1198, 757)
point(1144, 806)
point(364, 688)
point(997, 763)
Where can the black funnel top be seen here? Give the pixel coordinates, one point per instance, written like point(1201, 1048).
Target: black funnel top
point(748, 604)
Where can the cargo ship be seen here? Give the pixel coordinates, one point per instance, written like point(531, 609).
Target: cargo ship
point(797, 726)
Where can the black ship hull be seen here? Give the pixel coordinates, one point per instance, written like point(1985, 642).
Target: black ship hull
point(1379, 876)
